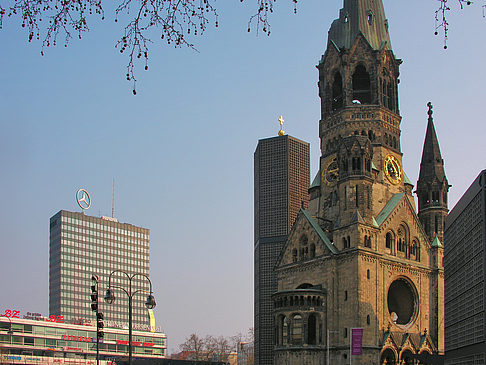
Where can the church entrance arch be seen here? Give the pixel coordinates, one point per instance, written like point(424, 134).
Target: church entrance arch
point(407, 358)
point(388, 357)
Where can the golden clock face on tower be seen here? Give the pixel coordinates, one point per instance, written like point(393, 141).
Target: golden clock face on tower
point(330, 172)
point(393, 170)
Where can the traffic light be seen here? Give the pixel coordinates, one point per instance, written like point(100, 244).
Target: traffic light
point(94, 297)
point(99, 325)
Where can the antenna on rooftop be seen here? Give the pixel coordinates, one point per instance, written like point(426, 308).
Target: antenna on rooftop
point(113, 199)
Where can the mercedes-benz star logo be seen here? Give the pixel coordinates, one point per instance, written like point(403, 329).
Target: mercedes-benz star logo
point(83, 199)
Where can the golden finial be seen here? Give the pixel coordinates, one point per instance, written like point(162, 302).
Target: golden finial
point(281, 132)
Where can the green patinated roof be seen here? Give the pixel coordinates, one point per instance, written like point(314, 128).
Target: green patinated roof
point(373, 166)
point(388, 208)
point(317, 180)
point(436, 242)
point(406, 180)
point(374, 222)
point(319, 231)
point(361, 16)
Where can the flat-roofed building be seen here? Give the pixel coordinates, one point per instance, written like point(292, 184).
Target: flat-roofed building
point(465, 287)
point(281, 183)
point(81, 246)
point(45, 341)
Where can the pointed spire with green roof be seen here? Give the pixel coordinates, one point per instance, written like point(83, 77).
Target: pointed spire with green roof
point(361, 16)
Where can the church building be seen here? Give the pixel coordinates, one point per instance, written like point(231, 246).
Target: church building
point(361, 256)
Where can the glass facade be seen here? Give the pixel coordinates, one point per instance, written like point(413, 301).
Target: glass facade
point(42, 342)
point(81, 246)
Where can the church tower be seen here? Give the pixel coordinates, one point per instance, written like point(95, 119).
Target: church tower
point(359, 256)
point(432, 185)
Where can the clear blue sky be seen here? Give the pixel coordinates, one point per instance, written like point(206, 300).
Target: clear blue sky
point(181, 151)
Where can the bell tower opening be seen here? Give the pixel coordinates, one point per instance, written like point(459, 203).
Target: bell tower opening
point(361, 85)
point(337, 92)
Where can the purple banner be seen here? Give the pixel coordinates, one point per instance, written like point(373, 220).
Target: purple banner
point(356, 341)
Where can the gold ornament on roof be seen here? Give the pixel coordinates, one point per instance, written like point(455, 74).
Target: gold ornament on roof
point(281, 132)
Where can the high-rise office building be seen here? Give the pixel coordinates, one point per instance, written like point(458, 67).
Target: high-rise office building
point(81, 246)
point(281, 182)
point(465, 284)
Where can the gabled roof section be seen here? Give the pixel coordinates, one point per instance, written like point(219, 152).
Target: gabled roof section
point(406, 180)
point(361, 16)
point(317, 180)
point(388, 208)
point(357, 218)
point(427, 343)
point(319, 231)
point(436, 242)
point(305, 223)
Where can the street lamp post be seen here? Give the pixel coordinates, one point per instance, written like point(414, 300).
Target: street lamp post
point(110, 298)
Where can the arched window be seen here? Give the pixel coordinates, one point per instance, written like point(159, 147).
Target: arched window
point(337, 91)
point(297, 329)
point(361, 85)
point(281, 330)
point(285, 330)
point(345, 242)
point(390, 96)
point(389, 240)
point(403, 238)
point(303, 240)
point(312, 251)
point(312, 329)
point(370, 18)
point(400, 246)
point(294, 254)
point(413, 248)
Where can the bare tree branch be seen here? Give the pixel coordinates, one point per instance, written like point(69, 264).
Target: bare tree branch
point(174, 21)
point(441, 22)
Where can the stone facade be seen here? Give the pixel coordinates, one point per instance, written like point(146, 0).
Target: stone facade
point(359, 256)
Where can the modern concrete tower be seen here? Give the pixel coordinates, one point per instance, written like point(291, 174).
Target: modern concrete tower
point(358, 257)
point(281, 181)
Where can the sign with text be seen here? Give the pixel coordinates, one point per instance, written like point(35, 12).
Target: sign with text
point(356, 341)
point(13, 313)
